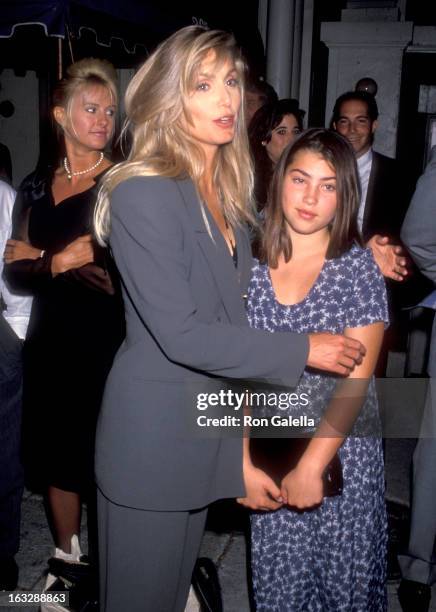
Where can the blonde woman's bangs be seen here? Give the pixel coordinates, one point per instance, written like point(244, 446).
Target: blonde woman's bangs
point(224, 50)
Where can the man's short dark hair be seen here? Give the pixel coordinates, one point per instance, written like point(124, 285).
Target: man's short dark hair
point(362, 96)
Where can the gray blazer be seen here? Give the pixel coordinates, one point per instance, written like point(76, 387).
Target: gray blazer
point(186, 325)
point(419, 234)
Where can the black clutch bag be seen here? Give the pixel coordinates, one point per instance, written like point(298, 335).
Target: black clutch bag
point(207, 585)
point(278, 456)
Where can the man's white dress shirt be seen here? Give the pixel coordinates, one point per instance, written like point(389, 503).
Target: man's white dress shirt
point(364, 165)
point(18, 307)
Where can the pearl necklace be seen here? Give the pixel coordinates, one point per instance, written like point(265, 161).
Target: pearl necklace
point(70, 174)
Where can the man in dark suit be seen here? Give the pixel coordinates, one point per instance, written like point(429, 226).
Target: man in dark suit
point(383, 205)
point(383, 199)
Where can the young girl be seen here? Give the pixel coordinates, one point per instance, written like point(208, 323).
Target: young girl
point(316, 554)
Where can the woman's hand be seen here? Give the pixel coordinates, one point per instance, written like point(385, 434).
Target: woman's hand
point(303, 487)
point(390, 258)
point(334, 353)
point(18, 249)
point(77, 254)
point(262, 492)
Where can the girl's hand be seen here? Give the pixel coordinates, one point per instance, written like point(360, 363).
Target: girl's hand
point(303, 487)
point(77, 254)
point(262, 492)
point(18, 249)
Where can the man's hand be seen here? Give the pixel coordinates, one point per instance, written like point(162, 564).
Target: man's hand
point(390, 258)
point(337, 354)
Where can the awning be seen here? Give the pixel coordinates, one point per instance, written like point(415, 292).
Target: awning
point(134, 22)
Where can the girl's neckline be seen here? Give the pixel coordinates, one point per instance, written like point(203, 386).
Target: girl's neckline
point(308, 294)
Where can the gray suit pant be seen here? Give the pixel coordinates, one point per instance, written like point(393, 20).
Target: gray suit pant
point(146, 557)
point(419, 562)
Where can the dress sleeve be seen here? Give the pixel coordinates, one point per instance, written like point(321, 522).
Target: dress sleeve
point(368, 301)
point(26, 275)
point(100, 276)
point(31, 275)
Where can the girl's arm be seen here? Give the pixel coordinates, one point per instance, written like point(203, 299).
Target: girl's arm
point(303, 486)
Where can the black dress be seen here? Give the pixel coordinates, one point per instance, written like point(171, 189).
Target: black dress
point(76, 326)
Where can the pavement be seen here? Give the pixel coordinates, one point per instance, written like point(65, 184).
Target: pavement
point(224, 540)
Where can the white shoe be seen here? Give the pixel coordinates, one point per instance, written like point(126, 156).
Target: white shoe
point(72, 557)
point(192, 604)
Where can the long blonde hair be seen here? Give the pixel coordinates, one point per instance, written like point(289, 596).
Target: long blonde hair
point(155, 104)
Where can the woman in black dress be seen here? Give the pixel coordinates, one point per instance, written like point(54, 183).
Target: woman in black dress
point(76, 323)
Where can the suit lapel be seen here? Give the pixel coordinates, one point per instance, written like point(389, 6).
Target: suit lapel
point(245, 257)
point(369, 202)
point(216, 254)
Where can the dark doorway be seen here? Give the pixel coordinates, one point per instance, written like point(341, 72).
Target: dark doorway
point(418, 69)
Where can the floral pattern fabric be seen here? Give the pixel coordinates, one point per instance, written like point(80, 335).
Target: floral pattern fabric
point(330, 558)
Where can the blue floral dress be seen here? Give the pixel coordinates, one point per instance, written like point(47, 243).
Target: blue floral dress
point(331, 558)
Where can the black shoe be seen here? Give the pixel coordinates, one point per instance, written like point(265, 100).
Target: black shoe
point(8, 574)
point(414, 596)
point(393, 567)
point(79, 580)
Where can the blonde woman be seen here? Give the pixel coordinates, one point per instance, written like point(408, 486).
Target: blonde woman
point(175, 215)
point(76, 323)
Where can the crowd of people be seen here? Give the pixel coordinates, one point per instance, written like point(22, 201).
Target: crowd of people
point(139, 288)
